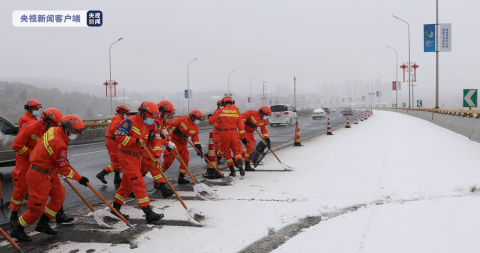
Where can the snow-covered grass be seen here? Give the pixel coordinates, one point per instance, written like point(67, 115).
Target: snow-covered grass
point(423, 174)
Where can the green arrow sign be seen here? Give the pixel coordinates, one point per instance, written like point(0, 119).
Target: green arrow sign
point(470, 98)
point(419, 103)
point(404, 105)
point(393, 105)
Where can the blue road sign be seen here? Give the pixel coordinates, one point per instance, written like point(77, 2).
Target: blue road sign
point(429, 38)
point(186, 93)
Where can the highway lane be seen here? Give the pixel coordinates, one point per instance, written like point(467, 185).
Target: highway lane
point(89, 159)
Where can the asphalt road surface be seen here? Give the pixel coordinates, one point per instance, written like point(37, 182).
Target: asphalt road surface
point(90, 159)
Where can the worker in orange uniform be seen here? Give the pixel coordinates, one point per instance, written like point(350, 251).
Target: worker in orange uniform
point(167, 111)
point(32, 108)
point(182, 128)
point(112, 146)
point(23, 145)
point(212, 173)
point(132, 132)
point(253, 119)
point(43, 180)
point(229, 118)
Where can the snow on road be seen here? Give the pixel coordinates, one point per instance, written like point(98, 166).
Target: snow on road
point(411, 181)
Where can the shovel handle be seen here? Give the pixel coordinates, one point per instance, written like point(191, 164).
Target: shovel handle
point(267, 144)
point(9, 239)
point(206, 159)
point(108, 204)
point(180, 159)
point(76, 191)
point(161, 172)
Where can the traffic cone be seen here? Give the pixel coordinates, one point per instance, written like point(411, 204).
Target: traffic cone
point(361, 116)
point(356, 121)
point(329, 128)
point(347, 125)
point(366, 115)
point(297, 141)
point(212, 157)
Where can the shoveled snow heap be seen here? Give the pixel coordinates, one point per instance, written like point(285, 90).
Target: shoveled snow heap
point(413, 184)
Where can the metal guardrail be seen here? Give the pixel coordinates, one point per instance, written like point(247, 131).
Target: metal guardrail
point(460, 113)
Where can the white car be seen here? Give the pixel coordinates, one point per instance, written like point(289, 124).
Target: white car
point(282, 114)
point(318, 113)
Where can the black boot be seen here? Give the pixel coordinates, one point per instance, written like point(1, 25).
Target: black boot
point(101, 176)
point(248, 167)
point(13, 218)
point(18, 232)
point(166, 192)
point(212, 174)
point(117, 207)
point(232, 171)
point(42, 226)
point(61, 217)
point(117, 180)
point(182, 180)
point(240, 167)
point(151, 215)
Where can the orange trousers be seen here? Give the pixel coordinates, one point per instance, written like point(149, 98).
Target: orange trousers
point(40, 187)
point(218, 142)
point(132, 180)
point(147, 166)
point(19, 178)
point(169, 157)
point(231, 143)
point(112, 147)
point(250, 146)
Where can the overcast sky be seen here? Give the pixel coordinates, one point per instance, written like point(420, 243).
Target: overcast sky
point(317, 41)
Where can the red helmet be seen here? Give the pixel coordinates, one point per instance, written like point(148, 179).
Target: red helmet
point(228, 99)
point(74, 124)
point(52, 115)
point(122, 109)
point(220, 103)
point(166, 106)
point(265, 110)
point(149, 109)
point(197, 114)
point(32, 103)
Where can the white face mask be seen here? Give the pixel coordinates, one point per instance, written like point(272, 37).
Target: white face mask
point(35, 113)
point(125, 116)
point(196, 122)
point(72, 137)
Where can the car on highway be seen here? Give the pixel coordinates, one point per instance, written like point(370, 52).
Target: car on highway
point(318, 113)
point(327, 110)
point(332, 110)
point(282, 114)
point(7, 154)
point(347, 111)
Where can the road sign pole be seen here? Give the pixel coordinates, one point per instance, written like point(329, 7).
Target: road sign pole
point(436, 52)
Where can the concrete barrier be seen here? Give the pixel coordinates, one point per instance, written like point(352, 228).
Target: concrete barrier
point(468, 127)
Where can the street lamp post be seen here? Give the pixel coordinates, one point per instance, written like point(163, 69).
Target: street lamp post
point(295, 93)
point(370, 93)
point(188, 86)
point(110, 65)
point(229, 82)
point(396, 77)
point(251, 92)
point(379, 88)
point(409, 81)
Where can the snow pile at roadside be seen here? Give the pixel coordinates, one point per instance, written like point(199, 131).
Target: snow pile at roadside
point(419, 174)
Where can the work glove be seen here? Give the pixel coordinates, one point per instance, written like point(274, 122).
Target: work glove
point(269, 145)
point(139, 142)
point(83, 181)
point(164, 132)
point(1, 136)
point(250, 124)
point(244, 141)
point(178, 132)
point(199, 147)
point(209, 115)
point(156, 160)
point(170, 146)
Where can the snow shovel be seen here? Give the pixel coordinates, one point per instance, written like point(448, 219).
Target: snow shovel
point(9, 239)
point(97, 214)
point(124, 233)
point(284, 165)
point(201, 190)
point(258, 153)
point(193, 215)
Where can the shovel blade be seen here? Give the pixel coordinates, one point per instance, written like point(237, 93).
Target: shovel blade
point(98, 215)
point(195, 216)
point(286, 166)
point(204, 192)
point(133, 229)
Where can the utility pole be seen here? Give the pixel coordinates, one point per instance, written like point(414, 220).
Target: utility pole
point(123, 95)
point(295, 92)
point(264, 99)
